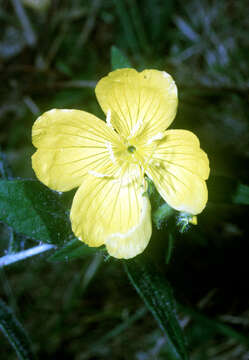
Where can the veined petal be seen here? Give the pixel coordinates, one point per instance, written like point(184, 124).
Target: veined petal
point(70, 143)
point(112, 212)
point(132, 243)
point(141, 104)
point(179, 169)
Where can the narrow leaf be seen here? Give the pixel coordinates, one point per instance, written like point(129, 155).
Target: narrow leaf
point(157, 295)
point(32, 209)
point(187, 30)
point(126, 23)
point(118, 59)
point(15, 333)
point(122, 326)
point(73, 249)
point(138, 24)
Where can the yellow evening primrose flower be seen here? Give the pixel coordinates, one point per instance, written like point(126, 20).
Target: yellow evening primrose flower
point(108, 160)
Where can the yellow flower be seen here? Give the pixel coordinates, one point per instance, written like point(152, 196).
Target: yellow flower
point(108, 161)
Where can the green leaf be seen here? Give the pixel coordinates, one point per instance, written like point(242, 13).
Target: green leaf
point(157, 295)
point(161, 214)
point(15, 240)
point(32, 209)
point(161, 211)
point(74, 249)
point(118, 59)
point(15, 333)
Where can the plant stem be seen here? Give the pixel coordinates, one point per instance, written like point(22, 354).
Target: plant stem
point(22, 255)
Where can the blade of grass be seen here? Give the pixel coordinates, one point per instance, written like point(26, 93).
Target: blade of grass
point(138, 25)
point(90, 22)
point(117, 330)
point(24, 20)
point(157, 294)
point(15, 333)
point(127, 26)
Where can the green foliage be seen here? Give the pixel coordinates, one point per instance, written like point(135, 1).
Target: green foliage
point(116, 331)
point(212, 47)
point(15, 333)
point(118, 59)
point(162, 213)
point(215, 325)
point(158, 297)
point(34, 210)
point(72, 250)
point(127, 25)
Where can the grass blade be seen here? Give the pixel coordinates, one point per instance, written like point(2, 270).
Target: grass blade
point(15, 333)
point(158, 297)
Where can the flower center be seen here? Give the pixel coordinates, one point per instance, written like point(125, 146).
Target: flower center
point(131, 149)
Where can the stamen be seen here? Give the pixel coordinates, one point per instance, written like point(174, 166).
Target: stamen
point(158, 136)
point(98, 175)
point(154, 163)
point(110, 150)
point(108, 118)
point(135, 128)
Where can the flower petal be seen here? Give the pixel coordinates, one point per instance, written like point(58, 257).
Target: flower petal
point(139, 103)
point(179, 169)
point(112, 212)
point(70, 143)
